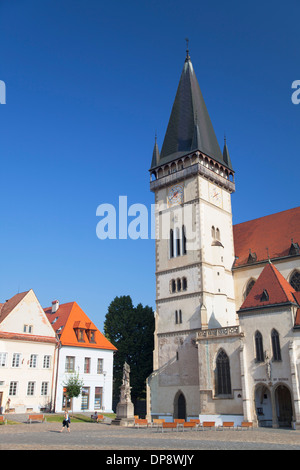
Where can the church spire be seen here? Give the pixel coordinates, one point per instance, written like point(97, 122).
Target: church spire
point(190, 127)
point(155, 155)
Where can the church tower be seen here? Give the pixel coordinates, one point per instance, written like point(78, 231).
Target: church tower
point(192, 181)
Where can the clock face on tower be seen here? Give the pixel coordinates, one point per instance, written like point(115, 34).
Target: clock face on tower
point(175, 195)
point(215, 195)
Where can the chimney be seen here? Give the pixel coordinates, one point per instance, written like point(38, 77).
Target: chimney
point(55, 305)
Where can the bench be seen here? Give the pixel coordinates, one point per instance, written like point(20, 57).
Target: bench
point(140, 422)
point(3, 420)
point(36, 417)
point(97, 418)
point(189, 425)
point(226, 424)
point(168, 426)
point(208, 425)
point(157, 422)
point(245, 425)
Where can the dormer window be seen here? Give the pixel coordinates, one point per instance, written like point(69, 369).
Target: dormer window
point(79, 331)
point(91, 335)
point(264, 296)
point(294, 249)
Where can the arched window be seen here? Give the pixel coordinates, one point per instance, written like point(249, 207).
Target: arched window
point(295, 281)
point(249, 287)
point(176, 317)
point(213, 232)
point(171, 244)
point(177, 242)
point(178, 285)
point(259, 347)
point(184, 283)
point(276, 345)
point(223, 382)
point(218, 236)
point(183, 241)
point(173, 285)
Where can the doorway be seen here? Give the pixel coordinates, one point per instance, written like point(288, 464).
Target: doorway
point(284, 406)
point(180, 406)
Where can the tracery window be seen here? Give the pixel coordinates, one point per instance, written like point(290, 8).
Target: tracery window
point(249, 287)
point(295, 281)
point(276, 345)
point(259, 347)
point(223, 381)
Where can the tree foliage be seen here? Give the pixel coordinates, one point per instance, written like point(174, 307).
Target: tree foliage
point(131, 330)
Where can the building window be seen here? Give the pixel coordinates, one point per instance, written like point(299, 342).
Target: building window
point(276, 345)
point(100, 366)
point(183, 241)
point(87, 365)
point(178, 285)
point(178, 316)
point(27, 328)
point(3, 357)
point(98, 398)
point(295, 281)
point(85, 395)
point(184, 283)
point(249, 287)
point(171, 244)
point(44, 388)
point(33, 361)
point(70, 364)
point(177, 242)
point(173, 286)
point(47, 362)
point(259, 347)
point(16, 360)
point(223, 381)
point(30, 388)
point(13, 388)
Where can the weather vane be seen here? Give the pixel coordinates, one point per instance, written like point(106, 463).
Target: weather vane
point(187, 48)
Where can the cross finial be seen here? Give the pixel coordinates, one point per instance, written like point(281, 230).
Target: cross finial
point(187, 48)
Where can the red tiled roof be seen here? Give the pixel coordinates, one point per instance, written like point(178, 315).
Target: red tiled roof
point(297, 298)
point(278, 290)
point(10, 304)
point(271, 235)
point(70, 317)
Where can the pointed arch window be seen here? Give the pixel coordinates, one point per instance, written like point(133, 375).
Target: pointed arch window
point(171, 244)
point(223, 381)
point(183, 241)
point(249, 287)
point(276, 345)
point(259, 347)
point(295, 281)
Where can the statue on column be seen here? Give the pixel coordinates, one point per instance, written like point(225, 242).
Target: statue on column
point(125, 408)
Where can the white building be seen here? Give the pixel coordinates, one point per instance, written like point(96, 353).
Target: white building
point(28, 353)
point(85, 351)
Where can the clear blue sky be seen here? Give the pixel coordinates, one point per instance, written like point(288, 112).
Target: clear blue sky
point(88, 83)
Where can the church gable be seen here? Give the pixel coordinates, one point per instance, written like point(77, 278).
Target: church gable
point(270, 289)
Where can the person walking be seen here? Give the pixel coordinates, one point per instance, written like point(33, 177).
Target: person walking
point(66, 422)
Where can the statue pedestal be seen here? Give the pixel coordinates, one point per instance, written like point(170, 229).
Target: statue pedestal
point(125, 408)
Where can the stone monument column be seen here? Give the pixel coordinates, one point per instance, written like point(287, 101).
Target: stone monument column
point(125, 408)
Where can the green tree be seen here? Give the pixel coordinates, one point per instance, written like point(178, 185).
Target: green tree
point(131, 330)
point(73, 387)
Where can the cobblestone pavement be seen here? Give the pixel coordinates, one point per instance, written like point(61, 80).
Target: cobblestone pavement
point(99, 436)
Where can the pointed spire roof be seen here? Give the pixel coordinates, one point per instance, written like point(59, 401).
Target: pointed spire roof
point(155, 155)
point(271, 288)
point(226, 157)
point(190, 127)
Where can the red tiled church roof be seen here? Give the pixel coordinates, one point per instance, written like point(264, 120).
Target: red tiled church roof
point(267, 237)
point(271, 288)
point(68, 319)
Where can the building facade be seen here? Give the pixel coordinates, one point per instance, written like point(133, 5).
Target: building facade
point(204, 361)
point(84, 351)
point(28, 356)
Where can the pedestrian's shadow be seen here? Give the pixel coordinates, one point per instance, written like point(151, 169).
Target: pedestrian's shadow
point(51, 430)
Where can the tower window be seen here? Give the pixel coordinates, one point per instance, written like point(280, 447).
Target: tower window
point(183, 241)
point(171, 244)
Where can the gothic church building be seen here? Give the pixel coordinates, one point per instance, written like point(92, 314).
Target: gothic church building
point(227, 321)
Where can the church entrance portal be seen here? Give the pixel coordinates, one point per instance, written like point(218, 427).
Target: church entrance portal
point(180, 406)
point(284, 406)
